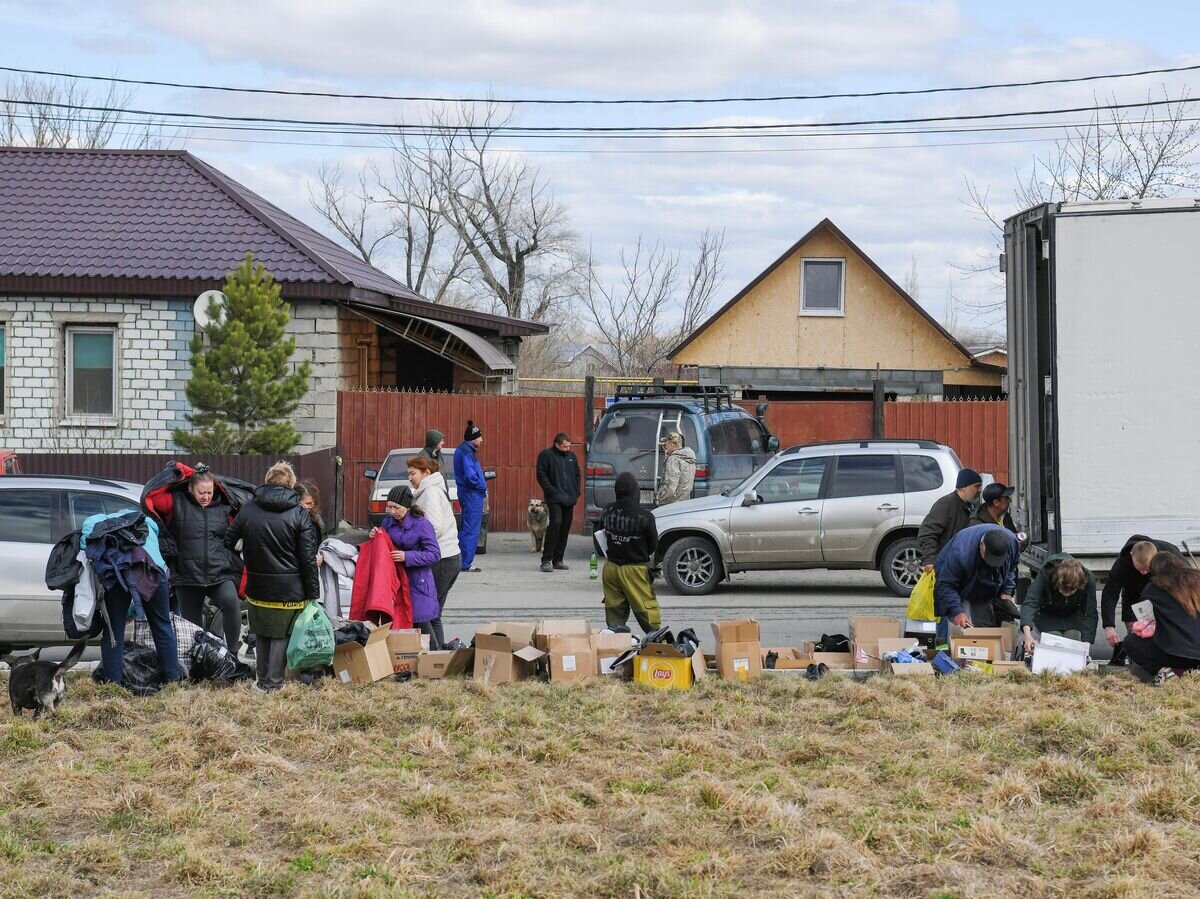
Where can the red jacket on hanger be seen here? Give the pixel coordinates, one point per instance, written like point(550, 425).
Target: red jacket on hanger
point(380, 593)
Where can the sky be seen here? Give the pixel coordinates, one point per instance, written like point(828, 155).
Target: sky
point(900, 198)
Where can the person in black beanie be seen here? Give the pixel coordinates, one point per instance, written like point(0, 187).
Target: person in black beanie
point(472, 493)
point(949, 515)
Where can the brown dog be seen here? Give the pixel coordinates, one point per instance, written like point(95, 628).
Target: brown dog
point(539, 522)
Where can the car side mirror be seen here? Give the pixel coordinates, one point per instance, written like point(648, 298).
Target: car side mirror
point(489, 475)
point(750, 498)
point(370, 474)
point(772, 444)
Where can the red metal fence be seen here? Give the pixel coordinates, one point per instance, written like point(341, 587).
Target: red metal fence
point(517, 428)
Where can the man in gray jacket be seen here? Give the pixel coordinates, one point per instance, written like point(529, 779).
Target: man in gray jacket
point(949, 515)
point(679, 472)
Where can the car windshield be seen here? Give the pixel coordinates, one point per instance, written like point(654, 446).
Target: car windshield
point(395, 466)
point(738, 488)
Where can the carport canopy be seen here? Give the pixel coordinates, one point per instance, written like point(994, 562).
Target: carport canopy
point(464, 348)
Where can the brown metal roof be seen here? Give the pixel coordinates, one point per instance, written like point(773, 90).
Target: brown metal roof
point(826, 224)
point(164, 223)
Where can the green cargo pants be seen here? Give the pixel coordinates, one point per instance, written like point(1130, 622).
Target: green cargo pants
point(626, 587)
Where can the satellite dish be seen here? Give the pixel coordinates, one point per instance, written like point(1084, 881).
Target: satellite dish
point(200, 309)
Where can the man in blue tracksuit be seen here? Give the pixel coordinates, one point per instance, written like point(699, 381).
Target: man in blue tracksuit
point(472, 494)
point(976, 571)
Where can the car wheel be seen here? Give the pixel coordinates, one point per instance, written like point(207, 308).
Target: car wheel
point(693, 566)
point(901, 566)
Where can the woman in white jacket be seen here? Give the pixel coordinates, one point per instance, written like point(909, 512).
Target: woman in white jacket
point(430, 493)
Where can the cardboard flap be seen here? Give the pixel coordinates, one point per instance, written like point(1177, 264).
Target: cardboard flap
point(741, 630)
point(520, 632)
point(380, 633)
point(609, 643)
point(485, 642)
point(872, 628)
point(910, 669)
point(661, 651)
point(895, 644)
point(568, 643)
point(404, 641)
point(562, 627)
point(528, 654)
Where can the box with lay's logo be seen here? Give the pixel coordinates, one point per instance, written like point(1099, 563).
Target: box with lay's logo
point(663, 667)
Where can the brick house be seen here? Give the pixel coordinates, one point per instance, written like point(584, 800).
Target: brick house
point(103, 254)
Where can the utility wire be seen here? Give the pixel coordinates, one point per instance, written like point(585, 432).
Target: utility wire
point(517, 101)
point(717, 131)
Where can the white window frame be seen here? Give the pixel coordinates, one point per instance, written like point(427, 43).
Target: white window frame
point(840, 311)
point(68, 371)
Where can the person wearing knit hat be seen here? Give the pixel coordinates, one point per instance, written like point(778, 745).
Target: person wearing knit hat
point(401, 495)
point(435, 441)
point(948, 516)
point(472, 493)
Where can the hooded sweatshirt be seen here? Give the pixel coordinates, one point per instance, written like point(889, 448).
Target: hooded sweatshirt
point(432, 498)
point(1048, 610)
point(430, 450)
point(630, 529)
point(679, 474)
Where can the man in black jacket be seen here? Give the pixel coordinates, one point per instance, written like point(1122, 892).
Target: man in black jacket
point(631, 537)
point(1125, 582)
point(558, 475)
point(948, 516)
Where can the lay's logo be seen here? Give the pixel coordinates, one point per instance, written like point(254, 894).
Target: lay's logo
point(662, 674)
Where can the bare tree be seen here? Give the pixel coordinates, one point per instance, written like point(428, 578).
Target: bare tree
point(38, 112)
point(1118, 154)
point(912, 280)
point(655, 302)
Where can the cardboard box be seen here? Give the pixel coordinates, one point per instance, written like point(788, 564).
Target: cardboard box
point(865, 633)
point(1060, 655)
point(1006, 634)
point(499, 659)
point(559, 627)
point(739, 649)
point(663, 667)
point(1005, 667)
point(606, 648)
point(788, 658)
point(520, 632)
point(355, 664)
point(983, 649)
point(835, 661)
point(445, 663)
point(405, 647)
point(910, 669)
point(571, 658)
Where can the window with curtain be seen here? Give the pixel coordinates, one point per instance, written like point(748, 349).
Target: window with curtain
point(91, 371)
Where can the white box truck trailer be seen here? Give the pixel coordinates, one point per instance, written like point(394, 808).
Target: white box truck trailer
point(1103, 350)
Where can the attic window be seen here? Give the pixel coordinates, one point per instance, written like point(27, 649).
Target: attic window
point(822, 287)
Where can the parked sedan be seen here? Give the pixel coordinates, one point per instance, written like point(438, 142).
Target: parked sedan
point(846, 505)
point(35, 513)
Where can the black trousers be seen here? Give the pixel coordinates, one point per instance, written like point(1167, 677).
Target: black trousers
point(1144, 653)
point(224, 597)
point(554, 547)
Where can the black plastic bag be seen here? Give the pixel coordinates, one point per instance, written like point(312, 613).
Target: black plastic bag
point(212, 661)
point(833, 643)
point(140, 673)
point(351, 632)
point(687, 642)
point(456, 643)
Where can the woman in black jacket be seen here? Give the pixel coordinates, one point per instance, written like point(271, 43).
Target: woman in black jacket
point(279, 547)
point(1174, 645)
point(202, 566)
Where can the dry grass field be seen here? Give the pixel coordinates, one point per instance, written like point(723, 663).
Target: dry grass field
point(1018, 786)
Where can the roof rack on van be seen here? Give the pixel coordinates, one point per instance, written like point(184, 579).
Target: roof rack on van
point(867, 444)
point(713, 397)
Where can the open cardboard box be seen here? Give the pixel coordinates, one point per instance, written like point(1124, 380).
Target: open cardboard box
point(739, 649)
point(834, 661)
point(355, 664)
point(865, 633)
point(663, 667)
point(980, 649)
point(1006, 634)
point(571, 658)
point(788, 658)
point(405, 647)
point(559, 627)
point(606, 648)
point(910, 669)
point(503, 652)
point(445, 663)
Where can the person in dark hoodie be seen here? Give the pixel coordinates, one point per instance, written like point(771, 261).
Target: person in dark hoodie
point(435, 442)
point(948, 516)
point(279, 547)
point(558, 476)
point(1174, 644)
point(1062, 600)
point(1126, 580)
point(632, 538)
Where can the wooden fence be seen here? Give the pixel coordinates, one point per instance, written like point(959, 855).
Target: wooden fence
point(517, 428)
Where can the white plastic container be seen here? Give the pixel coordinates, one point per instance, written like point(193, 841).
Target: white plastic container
point(1060, 655)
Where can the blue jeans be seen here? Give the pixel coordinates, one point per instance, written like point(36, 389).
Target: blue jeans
point(158, 614)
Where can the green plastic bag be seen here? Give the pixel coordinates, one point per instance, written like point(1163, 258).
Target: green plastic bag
point(311, 644)
point(920, 603)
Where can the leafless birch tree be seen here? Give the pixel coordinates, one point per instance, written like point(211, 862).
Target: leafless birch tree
point(38, 112)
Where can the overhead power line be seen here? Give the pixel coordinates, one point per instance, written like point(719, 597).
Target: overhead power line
point(625, 101)
point(585, 131)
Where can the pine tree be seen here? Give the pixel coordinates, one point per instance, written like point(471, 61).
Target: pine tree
point(241, 391)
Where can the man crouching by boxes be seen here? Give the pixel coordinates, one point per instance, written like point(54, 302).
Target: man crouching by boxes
point(977, 577)
point(628, 542)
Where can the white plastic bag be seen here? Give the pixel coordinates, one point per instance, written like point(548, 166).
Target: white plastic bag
point(83, 610)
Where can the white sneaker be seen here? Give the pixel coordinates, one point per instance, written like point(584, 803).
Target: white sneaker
point(1164, 675)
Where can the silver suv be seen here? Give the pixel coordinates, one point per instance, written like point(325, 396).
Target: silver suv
point(849, 505)
point(35, 513)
